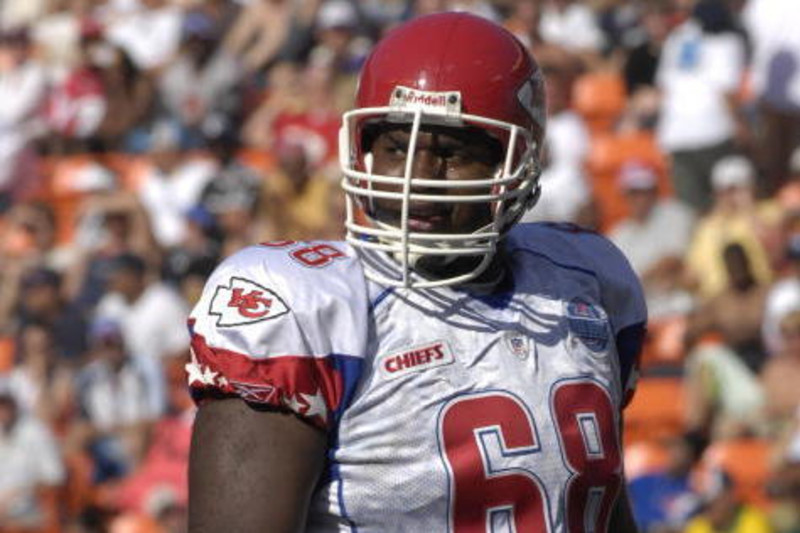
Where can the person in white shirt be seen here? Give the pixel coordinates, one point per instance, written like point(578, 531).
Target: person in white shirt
point(654, 237)
point(700, 71)
point(152, 316)
point(775, 74)
point(172, 185)
point(30, 464)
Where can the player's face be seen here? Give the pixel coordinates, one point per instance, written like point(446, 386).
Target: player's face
point(440, 154)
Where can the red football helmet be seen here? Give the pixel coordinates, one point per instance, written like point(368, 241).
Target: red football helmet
point(449, 69)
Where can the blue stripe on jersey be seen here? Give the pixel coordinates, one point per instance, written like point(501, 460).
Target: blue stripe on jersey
point(334, 474)
point(381, 297)
point(350, 368)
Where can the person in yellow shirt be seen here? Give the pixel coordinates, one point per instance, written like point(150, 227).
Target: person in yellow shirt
point(724, 512)
point(735, 217)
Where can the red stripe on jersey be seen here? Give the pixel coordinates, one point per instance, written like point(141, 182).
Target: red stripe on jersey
point(308, 386)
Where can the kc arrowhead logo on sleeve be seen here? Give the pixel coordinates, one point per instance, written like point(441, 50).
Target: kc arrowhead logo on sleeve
point(245, 302)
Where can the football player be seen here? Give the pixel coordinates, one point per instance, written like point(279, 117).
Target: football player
point(444, 369)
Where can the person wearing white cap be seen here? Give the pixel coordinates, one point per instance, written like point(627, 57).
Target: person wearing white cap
point(734, 171)
point(735, 217)
point(654, 237)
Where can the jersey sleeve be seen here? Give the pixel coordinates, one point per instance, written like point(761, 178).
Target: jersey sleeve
point(623, 299)
point(283, 326)
point(620, 290)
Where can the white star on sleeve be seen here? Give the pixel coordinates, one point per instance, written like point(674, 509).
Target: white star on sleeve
point(294, 404)
point(316, 404)
point(202, 374)
point(209, 376)
point(195, 373)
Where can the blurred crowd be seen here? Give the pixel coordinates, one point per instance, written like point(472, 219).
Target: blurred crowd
point(141, 141)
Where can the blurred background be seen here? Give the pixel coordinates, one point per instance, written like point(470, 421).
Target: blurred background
point(141, 141)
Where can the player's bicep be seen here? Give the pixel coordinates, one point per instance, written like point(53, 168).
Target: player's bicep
point(251, 470)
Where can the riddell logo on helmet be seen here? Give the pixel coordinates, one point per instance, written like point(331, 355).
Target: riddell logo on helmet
point(424, 99)
point(407, 99)
point(416, 359)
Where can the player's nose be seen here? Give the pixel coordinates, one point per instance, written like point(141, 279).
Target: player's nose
point(427, 165)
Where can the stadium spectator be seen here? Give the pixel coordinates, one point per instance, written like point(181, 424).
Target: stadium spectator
point(152, 316)
point(664, 500)
point(784, 294)
point(737, 312)
point(76, 104)
point(172, 184)
point(150, 33)
point(523, 21)
point(641, 63)
point(724, 395)
point(572, 25)
point(130, 99)
point(297, 198)
point(780, 377)
point(568, 195)
point(196, 88)
point(109, 222)
point(23, 86)
point(736, 216)
point(655, 237)
point(42, 380)
point(42, 300)
point(258, 34)
point(775, 73)
point(700, 71)
point(234, 201)
point(31, 469)
point(114, 402)
point(723, 509)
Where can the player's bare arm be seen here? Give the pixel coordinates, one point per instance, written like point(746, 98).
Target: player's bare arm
point(251, 470)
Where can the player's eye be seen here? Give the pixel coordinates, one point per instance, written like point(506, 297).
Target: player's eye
point(395, 147)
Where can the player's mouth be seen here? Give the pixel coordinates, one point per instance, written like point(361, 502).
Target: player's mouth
point(426, 223)
point(421, 219)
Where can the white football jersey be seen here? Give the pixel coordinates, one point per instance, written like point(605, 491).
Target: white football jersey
point(447, 411)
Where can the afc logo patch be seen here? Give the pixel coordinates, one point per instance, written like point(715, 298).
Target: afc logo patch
point(588, 323)
point(245, 302)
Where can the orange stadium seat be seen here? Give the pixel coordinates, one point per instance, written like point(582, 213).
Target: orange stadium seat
point(7, 349)
point(63, 193)
point(657, 410)
point(664, 346)
point(261, 161)
point(747, 460)
point(607, 154)
point(600, 98)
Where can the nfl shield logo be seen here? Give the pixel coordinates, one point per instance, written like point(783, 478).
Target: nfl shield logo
point(517, 343)
point(588, 323)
